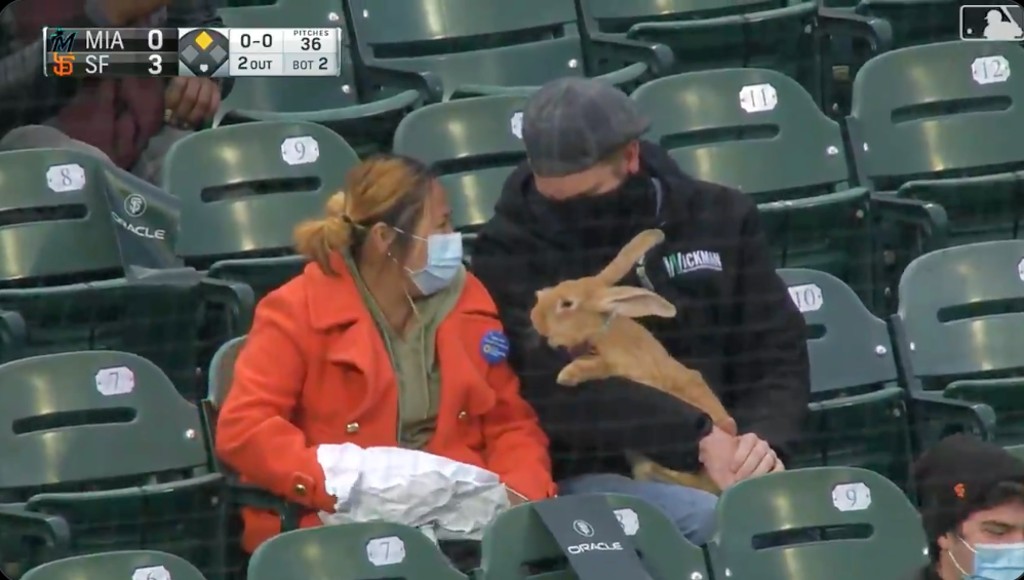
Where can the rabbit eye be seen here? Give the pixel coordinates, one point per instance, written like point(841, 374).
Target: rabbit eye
point(566, 304)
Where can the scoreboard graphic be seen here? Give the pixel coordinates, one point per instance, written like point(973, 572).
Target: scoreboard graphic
point(192, 52)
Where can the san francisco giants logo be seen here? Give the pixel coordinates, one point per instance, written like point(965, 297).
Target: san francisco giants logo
point(63, 65)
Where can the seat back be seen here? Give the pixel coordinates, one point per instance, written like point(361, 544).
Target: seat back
point(263, 275)
point(1017, 451)
point(662, 548)
point(157, 321)
point(848, 346)
point(714, 34)
point(471, 42)
point(291, 94)
point(952, 109)
point(866, 527)
point(359, 551)
point(137, 565)
point(753, 129)
point(67, 412)
point(917, 22)
point(616, 17)
point(54, 220)
point(518, 540)
point(761, 132)
point(473, 144)
point(858, 411)
point(222, 370)
point(245, 187)
point(963, 308)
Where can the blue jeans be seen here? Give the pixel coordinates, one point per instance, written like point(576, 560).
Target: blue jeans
point(691, 510)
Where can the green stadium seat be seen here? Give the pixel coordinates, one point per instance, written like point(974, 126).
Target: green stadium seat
point(518, 540)
point(103, 442)
point(958, 325)
point(222, 370)
point(364, 551)
point(917, 22)
point(331, 101)
point(858, 410)
point(52, 227)
point(1017, 451)
point(926, 128)
point(782, 35)
point(487, 47)
point(62, 284)
point(757, 130)
point(859, 402)
point(867, 527)
point(473, 145)
point(129, 565)
point(248, 3)
point(661, 547)
point(238, 217)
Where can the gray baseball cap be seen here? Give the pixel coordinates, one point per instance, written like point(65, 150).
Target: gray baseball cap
point(572, 123)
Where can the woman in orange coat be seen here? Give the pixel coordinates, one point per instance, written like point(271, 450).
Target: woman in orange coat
point(383, 340)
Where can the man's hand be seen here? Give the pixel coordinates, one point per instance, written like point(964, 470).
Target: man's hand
point(753, 457)
point(717, 450)
point(189, 101)
point(124, 12)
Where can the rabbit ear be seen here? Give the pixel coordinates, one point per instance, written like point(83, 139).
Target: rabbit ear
point(630, 255)
point(634, 303)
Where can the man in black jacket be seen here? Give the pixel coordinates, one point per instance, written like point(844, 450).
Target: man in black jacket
point(588, 187)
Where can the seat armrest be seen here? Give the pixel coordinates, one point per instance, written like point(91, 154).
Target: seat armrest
point(52, 530)
point(425, 83)
point(13, 333)
point(978, 418)
point(246, 495)
point(876, 31)
point(658, 57)
point(929, 219)
point(238, 300)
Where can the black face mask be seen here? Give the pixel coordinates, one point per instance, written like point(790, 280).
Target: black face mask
point(602, 219)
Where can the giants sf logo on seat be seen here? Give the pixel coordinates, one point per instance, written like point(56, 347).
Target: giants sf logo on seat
point(586, 530)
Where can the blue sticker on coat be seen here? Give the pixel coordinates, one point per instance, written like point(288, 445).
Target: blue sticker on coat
point(494, 347)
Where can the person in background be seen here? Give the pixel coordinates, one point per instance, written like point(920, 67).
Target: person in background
point(383, 340)
point(972, 508)
point(132, 122)
point(589, 185)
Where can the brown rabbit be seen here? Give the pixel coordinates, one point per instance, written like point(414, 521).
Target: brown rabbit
point(593, 319)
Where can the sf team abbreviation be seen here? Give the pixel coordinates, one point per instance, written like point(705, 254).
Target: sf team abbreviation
point(200, 52)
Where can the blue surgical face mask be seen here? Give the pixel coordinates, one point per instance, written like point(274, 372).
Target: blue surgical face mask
point(994, 561)
point(444, 260)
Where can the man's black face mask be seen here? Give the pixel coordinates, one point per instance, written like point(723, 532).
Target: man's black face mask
point(601, 216)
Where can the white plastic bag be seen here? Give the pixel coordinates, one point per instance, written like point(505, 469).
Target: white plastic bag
point(410, 487)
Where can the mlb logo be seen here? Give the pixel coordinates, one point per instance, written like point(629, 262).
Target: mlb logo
point(1003, 23)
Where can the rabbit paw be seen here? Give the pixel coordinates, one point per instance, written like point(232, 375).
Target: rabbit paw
point(570, 376)
point(582, 370)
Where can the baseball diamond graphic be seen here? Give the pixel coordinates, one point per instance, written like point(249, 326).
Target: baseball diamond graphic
point(203, 51)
